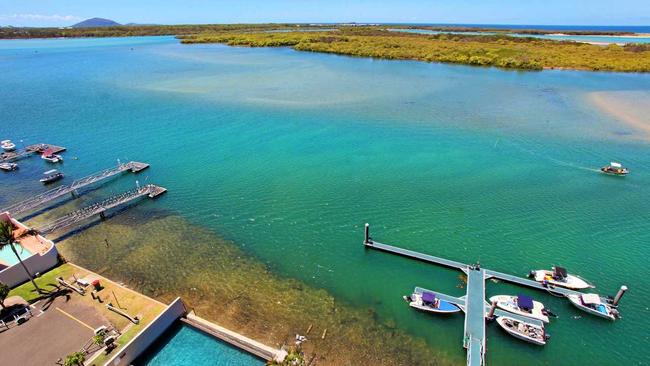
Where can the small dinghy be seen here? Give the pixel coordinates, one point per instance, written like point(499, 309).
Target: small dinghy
point(427, 301)
point(522, 305)
point(49, 156)
point(525, 331)
point(7, 167)
point(7, 145)
point(592, 303)
point(559, 277)
point(51, 176)
point(615, 169)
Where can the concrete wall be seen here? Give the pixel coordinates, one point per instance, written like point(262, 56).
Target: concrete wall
point(149, 334)
point(15, 275)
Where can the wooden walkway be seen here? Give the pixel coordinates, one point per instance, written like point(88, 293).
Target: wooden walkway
point(28, 151)
point(45, 197)
point(473, 303)
point(99, 208)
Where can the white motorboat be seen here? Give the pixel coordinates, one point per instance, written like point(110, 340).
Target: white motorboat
point(525, 331)
point(615, 169)
point(49, 156)
point(521, 305)
point(592, 304)
point(7, 145)
point(559, 277)
point(8, 166)
point(51, 176)
point(427, 301)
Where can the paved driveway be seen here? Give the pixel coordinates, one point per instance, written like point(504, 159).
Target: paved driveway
point(63, 328)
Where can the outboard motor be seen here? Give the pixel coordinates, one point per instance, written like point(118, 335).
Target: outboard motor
point(531, 274)
point(548, 312)
point(547, 337)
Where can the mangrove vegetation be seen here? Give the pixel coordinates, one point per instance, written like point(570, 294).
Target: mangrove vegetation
point(481, 50)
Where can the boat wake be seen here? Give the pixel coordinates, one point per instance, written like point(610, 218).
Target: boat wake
point(551, 159)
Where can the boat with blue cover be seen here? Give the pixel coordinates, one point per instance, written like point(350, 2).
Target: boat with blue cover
point(427, 301)
point(521, 305)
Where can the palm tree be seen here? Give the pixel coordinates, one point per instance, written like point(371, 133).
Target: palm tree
point(4, 292)
point(7, 239)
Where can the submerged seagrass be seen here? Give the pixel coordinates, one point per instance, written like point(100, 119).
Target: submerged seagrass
point(166, 257)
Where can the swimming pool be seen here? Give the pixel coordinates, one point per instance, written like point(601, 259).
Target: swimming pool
point(184, 345)
point(7, 255)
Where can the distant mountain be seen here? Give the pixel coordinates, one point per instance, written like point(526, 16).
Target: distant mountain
point(96, 22)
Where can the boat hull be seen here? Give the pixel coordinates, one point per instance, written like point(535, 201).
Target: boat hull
point(51, 180)
point(614, 174)
point(575, 300)
point(7, 167)
point(572, 282)
point(52, 159)
point(506, 303)
point(502, 320)
point(444, 307)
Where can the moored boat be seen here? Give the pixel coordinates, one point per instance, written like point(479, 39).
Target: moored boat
point(521, 305)
point(615, 169)
point(51, 176)
point(592, 304)
point(49, 156)
point(427, 301)
point(8, 166)
point(7, 145)
point(558, 276)
point(525, 331)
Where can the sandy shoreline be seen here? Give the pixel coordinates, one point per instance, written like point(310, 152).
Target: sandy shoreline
point(631, 108)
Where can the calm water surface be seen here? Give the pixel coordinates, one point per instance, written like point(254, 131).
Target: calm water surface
point(288, 154)
point(556, 37)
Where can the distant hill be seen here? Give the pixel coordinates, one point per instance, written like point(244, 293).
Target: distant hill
point(96, 22)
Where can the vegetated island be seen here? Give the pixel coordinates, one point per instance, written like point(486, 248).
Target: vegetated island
point(481, 50)
point(489, 49)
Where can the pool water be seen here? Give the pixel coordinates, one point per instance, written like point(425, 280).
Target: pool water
point(183, 345)
point(8, 257)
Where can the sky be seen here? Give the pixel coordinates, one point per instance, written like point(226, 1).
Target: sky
point(40, 13)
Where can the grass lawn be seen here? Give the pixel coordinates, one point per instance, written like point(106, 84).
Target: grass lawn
point(131, 302)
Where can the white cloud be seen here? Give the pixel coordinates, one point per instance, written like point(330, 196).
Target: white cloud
point(39, 18)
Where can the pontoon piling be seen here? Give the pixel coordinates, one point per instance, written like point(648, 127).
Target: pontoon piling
point(367, 234)
point(619, 295)
point(492, 308)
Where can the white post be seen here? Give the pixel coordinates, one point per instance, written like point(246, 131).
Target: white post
point(366, 239)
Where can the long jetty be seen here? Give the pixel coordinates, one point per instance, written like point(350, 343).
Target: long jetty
point(100, 208)
point(45, 197)
point(473, 303)
point(28, 151)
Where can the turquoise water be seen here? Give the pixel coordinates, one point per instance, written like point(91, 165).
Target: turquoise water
point(183, 345)
point(556, 37)
point(7, 255)
point(288, 154)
